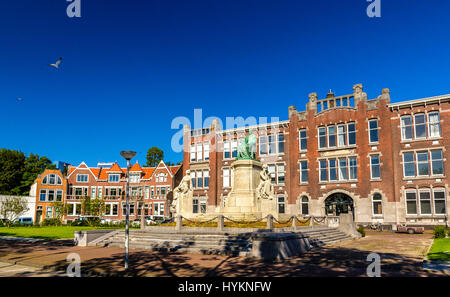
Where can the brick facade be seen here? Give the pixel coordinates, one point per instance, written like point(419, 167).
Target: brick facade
point(362, 159)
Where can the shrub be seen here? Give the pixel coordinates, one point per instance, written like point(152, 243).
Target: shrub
point(79, 223)
point(51, 222)
point(439, 232)
point(361, 231)
point(448, 232)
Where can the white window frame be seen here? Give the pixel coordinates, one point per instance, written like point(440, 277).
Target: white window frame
point(438, 123)
point(429, 199)
point(378, 201)
point(302, 171)
point(82, 175)
point(302, 138)
point(371, 166)
point(406, 202)
point(403, 127)
point(422, 124)
point(373, 129)
point(439, 190)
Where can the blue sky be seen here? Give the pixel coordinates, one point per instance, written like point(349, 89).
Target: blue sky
point(130, 67)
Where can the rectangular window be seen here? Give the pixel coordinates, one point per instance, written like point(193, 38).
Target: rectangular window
point(271, 169)
point(323, 170)
point(70, 209)
point(227, 150)
point(59, 194)
point(303, 141)
point(82, 178)
point(93, 195)
point(322, 137)
point(281, 204)
point(263, 145)
point(351, 128)
point(272, 145)
point(202, 206)
point(78, 209)
point(195, 205)
point(199, 151)
point(280, 174)
point(434, 129)
point(343, 169)
point(411, 203)
point(423, 166)
point(333, 169)
point(425, 202)
point(206, 178)
point(51, 195)
point(113, 178)
point(331, 136)
point(373, 131)
point(407, 128)
point(42, 195)
point(280, 143)
point(439, 201)
point(437, 163)
point(193, 154)
point(193, 179)
point(420, 126)
point(100, 192)
point(199, 179)
point(234, 146)
point(49, 213)
point(226, 177)
point(353, 168)
point(341, 135)
point(206, 150)
point(409, 169)
point(303, 171)
point(377, 204)
point(375, 166)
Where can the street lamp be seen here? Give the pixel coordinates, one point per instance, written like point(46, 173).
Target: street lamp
point(127, 155)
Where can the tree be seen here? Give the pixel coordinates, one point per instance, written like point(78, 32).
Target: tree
point(11, 170)
point(93, 207)
point(154, 156)
point(33, 166)
point(60, 210)
point(12, 208)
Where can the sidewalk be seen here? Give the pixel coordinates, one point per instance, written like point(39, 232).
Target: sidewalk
point(343, 259)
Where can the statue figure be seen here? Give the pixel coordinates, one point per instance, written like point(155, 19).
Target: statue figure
point(265, 188)
point(180, 191)
point(247, 148)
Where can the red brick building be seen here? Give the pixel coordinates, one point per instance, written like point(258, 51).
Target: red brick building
point(149, 186)
point(386, 162)
point(50, 189)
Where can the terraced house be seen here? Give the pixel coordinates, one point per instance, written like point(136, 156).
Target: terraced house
point(150, 190)
point(384, 162)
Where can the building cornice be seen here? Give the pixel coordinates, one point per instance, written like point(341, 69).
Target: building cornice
point(420, 102)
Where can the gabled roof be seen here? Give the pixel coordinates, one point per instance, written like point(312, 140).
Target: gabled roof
point(115, 168)
point(136, 168)
point(148, 172)
point(83, 166)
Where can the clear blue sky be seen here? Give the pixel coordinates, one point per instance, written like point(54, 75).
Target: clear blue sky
point(130, 67)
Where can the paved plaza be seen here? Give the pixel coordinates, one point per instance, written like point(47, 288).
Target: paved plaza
point(401, 255)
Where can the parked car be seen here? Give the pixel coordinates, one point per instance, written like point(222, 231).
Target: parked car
point(409, 229)
point(24, 221)
point(85, 220)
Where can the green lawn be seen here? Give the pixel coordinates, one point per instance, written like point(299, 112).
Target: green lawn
point(51, 232)
point(440, 250)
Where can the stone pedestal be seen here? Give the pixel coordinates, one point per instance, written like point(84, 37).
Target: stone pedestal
point(242, 201)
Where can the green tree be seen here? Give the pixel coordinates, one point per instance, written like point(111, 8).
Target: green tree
point(12, 208)
point(154, 156)
point(11, 170)
point(33, 166)
point(60, 210)
point(93, 207)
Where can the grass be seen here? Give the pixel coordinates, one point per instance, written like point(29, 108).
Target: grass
point(440, 250)
point(50, 232)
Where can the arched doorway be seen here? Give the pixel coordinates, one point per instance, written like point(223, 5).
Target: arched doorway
point(338, 203)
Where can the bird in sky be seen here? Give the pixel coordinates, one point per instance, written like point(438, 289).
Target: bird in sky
point(19, 99)
point(56, 65)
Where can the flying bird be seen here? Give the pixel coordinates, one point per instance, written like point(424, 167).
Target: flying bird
point(56, 65)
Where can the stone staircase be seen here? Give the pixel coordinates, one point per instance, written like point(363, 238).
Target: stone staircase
point(209, 243)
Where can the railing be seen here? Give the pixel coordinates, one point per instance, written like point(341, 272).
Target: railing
point(335, 102)
point(294, 222)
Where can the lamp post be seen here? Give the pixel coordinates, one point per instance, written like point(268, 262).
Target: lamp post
point(127, 155)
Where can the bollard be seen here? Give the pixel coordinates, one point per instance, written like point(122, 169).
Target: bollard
point(269, 222)
point(311, 223)
point(179, 222)
point(294, 222)
point(220, 224)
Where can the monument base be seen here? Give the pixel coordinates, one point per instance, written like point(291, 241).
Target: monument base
point(242, 202)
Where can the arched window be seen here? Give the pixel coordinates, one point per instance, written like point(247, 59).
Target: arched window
point(51, 179)
point(304, 205)
point(377, 204)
